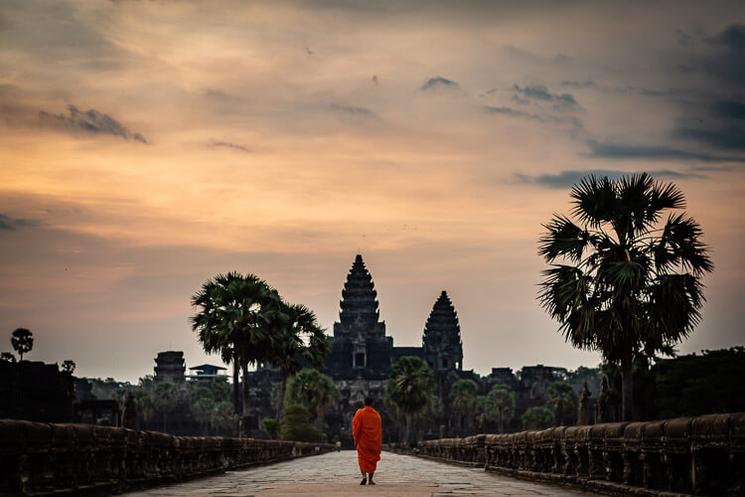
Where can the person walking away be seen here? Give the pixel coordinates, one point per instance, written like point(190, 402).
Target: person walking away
point(367, 429)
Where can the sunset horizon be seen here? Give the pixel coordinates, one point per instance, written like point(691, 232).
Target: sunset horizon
point(147, 146)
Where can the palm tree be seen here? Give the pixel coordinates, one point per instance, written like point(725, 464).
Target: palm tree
point(410, 388)
point(299, 340)
point(22, 341)
point(500, 405)
point(563, 399)
point(313, 390)
point(235, 319)
point(463, 403)
point(538, 418)
point(621, 280)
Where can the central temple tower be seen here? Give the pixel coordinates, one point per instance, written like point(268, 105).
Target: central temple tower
point(359, 314)
point(360, 346)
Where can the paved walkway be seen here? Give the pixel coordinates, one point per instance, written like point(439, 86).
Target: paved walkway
point(335, 475)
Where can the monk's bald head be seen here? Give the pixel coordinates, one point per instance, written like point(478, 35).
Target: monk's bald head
point(369, 401)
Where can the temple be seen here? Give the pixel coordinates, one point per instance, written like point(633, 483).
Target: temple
point(362, 353)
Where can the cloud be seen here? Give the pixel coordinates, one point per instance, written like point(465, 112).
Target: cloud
point(232, 146)
point(541, 93)
point(727, 61)
point(727, 137)
point(653, 152)
point(571, 177)
point(730, 109)
point(90, 121)
point(8, 223)
point(571, 121)
point(578, 84)
point(352, 110)
point(439, 82)
point(509, 111)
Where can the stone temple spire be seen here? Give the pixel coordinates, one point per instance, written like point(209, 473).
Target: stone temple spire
point(359, 304)
point(442, 342)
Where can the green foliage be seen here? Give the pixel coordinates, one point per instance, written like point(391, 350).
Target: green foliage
point(621, 280)
point(270, 426)
point(593, 377)
point(563, 400)
point(22, 341)
point(692, 385)
point(298, 339)
point(410, 385)
point(410, 390)
point(463, 396)
point(463, 403)
point(499, 405)
point(313, 390)
point(538, 418)
point(296, 425)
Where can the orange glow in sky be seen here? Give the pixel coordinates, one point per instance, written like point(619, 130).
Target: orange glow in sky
point(146, 146)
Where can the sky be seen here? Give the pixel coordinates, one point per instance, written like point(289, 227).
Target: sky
point(147, 145)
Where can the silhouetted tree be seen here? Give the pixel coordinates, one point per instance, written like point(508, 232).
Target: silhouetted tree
point(313, 390)
point(298, 339)
point(68, 366)
point(538, 418)
point(463, 403)
point(410, 387)
point(22, 341)
point(500, 405)
point(621, 281)
point(235, 319)
point(7, 357)
point(296, 425)
point(563, 400)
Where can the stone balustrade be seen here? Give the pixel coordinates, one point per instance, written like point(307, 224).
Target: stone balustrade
point(703, 455)
point(45, 458)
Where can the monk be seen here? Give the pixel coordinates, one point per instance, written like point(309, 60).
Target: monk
point(368, 438)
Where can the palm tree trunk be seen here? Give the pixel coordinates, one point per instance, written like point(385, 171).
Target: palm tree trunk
point(407, 432)
point(236, 388)
point(627, 389)
point(244, 368)
point(501, 423)
point(281, 400)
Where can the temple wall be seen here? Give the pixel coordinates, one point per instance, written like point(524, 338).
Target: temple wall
point(45, 458)
point(704, 455)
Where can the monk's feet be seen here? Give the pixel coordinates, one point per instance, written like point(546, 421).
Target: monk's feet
point(364, 482)
point(371, 482)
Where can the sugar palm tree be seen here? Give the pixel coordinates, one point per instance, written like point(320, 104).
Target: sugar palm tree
point(463, 402)
point(299, 340)
point(235, 319)
point(22, 341)
point(537, 418)
point(563, 399)
point(500, 405)
point(410, 387)
point(623, 280)
point(313, 390)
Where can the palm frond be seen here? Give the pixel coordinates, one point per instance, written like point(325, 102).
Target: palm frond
point(595, 200)
point(563, 239)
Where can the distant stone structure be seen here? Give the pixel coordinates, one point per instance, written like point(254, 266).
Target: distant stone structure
point(170, 366)
point(362, 355)
point(206, 372)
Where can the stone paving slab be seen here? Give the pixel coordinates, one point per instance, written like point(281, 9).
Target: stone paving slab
point(336, 475)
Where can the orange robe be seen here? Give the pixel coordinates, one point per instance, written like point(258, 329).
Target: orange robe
point(368, 437)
